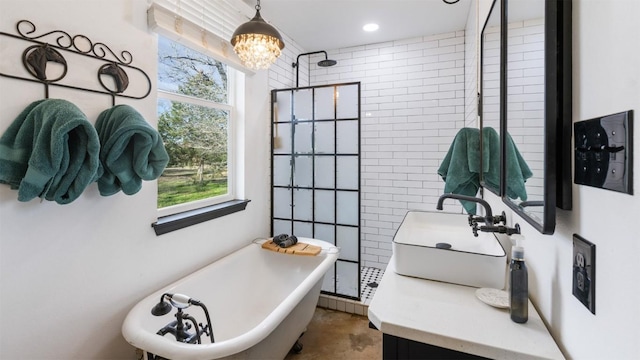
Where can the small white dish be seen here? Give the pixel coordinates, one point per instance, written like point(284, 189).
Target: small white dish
point(494, 297)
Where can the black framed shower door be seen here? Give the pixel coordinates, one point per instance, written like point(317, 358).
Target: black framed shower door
point(315, 174)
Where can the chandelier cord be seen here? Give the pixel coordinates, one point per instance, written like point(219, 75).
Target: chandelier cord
point(258, 6)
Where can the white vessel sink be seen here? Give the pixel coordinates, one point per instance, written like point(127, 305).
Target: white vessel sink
point(473, 261)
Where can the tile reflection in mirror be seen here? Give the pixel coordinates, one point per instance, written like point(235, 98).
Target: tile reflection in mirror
point(490, 82)
point(525, 100)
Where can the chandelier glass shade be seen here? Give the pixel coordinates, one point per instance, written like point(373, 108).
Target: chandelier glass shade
point(257, 44)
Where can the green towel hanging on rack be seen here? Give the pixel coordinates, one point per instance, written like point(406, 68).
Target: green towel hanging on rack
point(131, 151)
point(460, 168)
point(49, 151)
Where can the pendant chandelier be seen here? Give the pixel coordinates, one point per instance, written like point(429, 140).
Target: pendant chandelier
point(257, 43)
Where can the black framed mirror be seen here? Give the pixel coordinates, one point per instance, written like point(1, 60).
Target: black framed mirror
point(536, 146)
point(491, 99)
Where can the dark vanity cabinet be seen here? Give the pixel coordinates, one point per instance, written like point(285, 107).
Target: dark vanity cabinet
point(394, 347)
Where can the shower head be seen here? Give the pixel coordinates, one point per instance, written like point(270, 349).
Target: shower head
point(327, 63)
point(323, 63)
point(161, 308)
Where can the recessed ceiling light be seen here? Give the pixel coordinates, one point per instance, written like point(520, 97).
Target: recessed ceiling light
point(370, 27)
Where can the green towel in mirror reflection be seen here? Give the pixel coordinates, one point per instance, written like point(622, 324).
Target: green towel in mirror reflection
point(517, 171)
point(460, 168)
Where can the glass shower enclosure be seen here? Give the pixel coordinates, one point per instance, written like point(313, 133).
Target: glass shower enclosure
point(315, 174)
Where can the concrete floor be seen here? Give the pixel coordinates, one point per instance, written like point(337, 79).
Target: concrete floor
point(338, 335)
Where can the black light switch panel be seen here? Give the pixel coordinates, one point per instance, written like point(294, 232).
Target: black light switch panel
point(584, 272)
point(604, 152)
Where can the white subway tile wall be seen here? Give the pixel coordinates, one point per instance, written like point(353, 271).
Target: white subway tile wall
point(413, 104)
point(281, 74)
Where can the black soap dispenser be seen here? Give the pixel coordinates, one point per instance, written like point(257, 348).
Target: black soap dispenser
point(519, 283)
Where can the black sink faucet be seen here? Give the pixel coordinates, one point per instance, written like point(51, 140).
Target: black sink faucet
point(488, 214)
point(488, 219)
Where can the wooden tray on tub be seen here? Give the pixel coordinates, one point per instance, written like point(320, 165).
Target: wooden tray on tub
point(297, 249)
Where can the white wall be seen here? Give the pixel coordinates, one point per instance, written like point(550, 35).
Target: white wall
point(69, 274)
point(412, 107)
point(606, 80)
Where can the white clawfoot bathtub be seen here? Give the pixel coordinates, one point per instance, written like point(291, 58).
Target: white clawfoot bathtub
point(259, 301)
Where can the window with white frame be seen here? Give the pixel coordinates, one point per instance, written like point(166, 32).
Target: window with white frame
point(195, 112)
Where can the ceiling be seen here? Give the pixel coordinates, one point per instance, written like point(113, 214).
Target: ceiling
point(333, 24)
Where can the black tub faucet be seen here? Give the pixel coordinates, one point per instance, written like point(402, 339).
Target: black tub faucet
point(180, 327)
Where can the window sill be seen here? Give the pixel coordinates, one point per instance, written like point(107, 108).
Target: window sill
point(170, 223)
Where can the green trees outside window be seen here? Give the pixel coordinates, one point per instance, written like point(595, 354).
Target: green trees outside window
point(194, 124)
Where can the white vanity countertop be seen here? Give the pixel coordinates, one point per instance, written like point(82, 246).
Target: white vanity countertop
point(451, 316)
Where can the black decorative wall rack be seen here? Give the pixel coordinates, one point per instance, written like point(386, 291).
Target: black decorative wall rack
point(36, 57)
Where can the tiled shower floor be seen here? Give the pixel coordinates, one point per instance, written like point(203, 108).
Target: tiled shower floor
point(369, 280)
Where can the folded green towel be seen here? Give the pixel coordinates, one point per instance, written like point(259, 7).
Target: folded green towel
point(131, 151)
point(49, 151)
